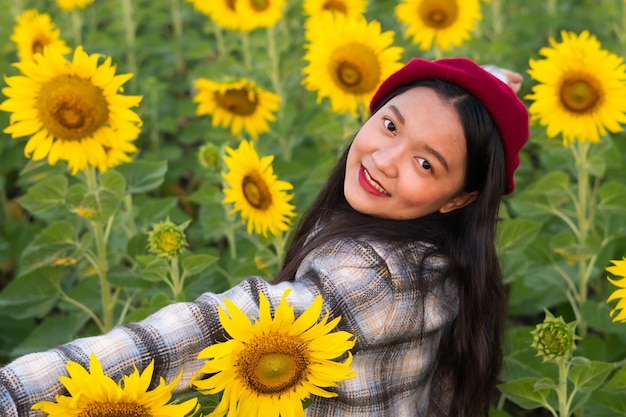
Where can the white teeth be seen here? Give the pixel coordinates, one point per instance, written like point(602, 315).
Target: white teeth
point(374, 183)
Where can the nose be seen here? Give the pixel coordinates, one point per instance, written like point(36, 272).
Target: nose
point(387, 159)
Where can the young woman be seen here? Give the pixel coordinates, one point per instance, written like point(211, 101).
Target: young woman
point(400, 243)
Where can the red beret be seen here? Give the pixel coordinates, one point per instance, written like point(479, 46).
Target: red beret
point(506, 109)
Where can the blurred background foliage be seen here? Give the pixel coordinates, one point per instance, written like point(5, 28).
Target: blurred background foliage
point(168, 44)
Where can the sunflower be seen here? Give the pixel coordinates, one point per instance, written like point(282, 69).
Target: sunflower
point(347, 60)
point(442, 22)
point(270, 365)
point(582, 89)
point(72, 110)
point(222, 12)
point(349, 8)
point(619, 269)
point(256, 192)
point(259, 13)
point(94, 394)
point(69, 5)
point(240, 105)
point(33, 32)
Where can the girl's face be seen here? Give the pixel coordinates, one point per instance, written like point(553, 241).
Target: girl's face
point(408, 159)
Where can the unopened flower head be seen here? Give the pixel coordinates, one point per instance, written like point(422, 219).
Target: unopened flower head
point(167, 240)
point(209, 156)
point(554, 339)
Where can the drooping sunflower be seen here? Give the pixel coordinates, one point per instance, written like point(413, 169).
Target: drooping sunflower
point(239, 104)
point(94, 394)
point(618, 269)
point(69, 5)
point(72, 110)
point(582, 89)
point(349, 8)
point(347, 60)
point(445, 23)
point(259, 13)
point(256, 192)
point(270, 365)
point(33, 32)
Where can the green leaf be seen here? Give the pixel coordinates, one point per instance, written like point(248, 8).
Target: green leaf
point(157, 270)
point(553, 185)
point(523, 393)
point(53, 331)
point(46, 194)
point(31, 295)
point(516, 233)
point(612, 196)
point(588, 377)
point(54, 243)
point(194, 264)
point(143, 176)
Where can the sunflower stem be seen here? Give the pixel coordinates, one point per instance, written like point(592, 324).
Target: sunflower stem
point(562, 388)
point(129, 28)
point(496, 12)
point(101, 265)
point(77, 26)
point(219, 38)
point(177, 24)
point(177, 283)
point(245, 49)
point(275, 59)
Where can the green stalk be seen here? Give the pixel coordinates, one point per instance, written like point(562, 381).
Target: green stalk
point(562, 389)
point(245, 50)
point(177, 24)
point(177, 284)
point(77, 26)
point(129, 27)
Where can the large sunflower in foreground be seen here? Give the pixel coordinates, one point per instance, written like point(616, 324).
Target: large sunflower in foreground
point(33, 32)
point(270, 365)
point(239, 104)
point(93, 394)
point(69, 5)
point(349, 8)
point(256, 192)
point(582, 89)
point(72, 110)
point(347, 60)
point(259, 13)
point(618, 269)
point(445, 23)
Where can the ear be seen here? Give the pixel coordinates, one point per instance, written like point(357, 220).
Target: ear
point(458, 202)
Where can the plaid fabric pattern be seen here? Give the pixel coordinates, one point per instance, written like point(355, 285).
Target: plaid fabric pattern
point(373, 286)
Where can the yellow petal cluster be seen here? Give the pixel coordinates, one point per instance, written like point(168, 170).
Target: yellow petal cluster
point(618, 269)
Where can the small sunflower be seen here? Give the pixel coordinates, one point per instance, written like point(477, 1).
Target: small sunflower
point(72, 110)
point(618, 269)
point(94, 394)
point(582, 89)
point(69, 5)
point(349, 8)
point(347, 60)
point(33, 32)
point(167, 240)
point(270, 365)
point(255, 191)
point(259, 13)
point(445, 23)
point(240, 105)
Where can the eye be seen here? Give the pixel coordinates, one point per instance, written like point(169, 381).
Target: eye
point(389, 125)
point(424, 164)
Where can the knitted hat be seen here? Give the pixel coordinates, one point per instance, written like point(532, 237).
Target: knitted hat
point(506, 109)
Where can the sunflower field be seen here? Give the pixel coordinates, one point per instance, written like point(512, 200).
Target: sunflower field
point(154, 150)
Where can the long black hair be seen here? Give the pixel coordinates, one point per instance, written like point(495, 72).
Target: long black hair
point(470, 355)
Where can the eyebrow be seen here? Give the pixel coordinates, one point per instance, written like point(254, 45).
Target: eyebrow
point(397, 113)
point(438, 156)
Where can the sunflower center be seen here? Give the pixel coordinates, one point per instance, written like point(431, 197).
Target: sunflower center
point(438, 14)
point(230, 4)
point(579, 95)
point(242, 102)
point(72, 108)
point(273, 363)
point(259, 5)
point(355, 68)
point(335, 6)
point(37, 46)
point(256, 192)
point(120, 409)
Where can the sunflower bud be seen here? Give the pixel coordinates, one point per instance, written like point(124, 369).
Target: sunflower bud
point(554, 339)
point(167, 240)
point(209, 156)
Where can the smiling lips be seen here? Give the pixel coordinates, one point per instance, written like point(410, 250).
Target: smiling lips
point(370, 184)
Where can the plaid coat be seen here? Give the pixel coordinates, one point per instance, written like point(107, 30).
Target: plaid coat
point(372, 285)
